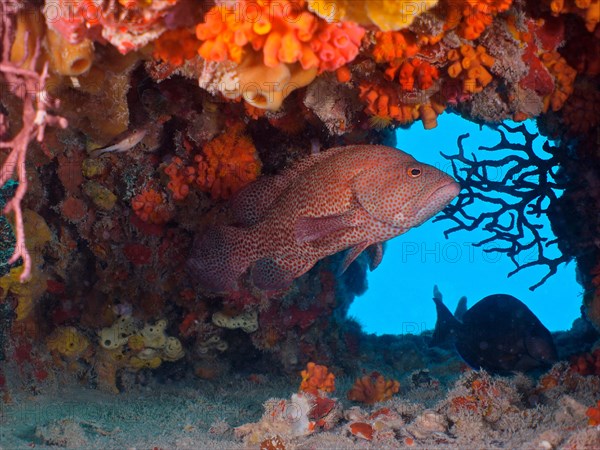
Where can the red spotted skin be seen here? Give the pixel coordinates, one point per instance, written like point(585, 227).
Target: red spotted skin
point(341, 198)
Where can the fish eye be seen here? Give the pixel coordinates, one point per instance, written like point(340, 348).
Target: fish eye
point(414, 172)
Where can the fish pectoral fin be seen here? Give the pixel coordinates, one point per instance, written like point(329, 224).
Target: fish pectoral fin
point(375, 252)
point(310, 229)
point(351, 255)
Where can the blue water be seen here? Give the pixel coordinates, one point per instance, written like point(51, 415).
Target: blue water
point(399, 298)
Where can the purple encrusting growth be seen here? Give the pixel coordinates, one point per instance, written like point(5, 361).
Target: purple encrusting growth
point(352, 197)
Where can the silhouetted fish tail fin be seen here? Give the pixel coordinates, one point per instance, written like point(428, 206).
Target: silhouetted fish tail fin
point(446, 326)
point(219, 257)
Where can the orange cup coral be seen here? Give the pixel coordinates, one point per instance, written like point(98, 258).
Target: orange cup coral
point(471, 64)
point(384, 105)
point(564, 76)
point(414, 73)
point(181, 177)
point(393, 46)
point(589, 10)
point(227, 163)
point(317, 379)
point(150, 206)
point(283, 30)
point(373, 388)
point(176, 46)
point(478, 15)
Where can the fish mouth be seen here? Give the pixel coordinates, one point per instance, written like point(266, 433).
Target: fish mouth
point(438, 200)
point(444, 194)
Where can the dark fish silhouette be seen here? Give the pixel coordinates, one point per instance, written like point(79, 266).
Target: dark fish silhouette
point(499, 334)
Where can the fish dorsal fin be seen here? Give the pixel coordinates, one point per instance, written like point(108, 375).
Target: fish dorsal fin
point(309, 161)
point(436, 293)
point(446, 326)
point(251, 203)
point(461, 308)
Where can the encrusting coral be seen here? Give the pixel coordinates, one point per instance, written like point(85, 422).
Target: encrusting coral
point(79, 19)
point(247, 321)
point(587, 363)
point(477, 15)
point(393, 47)
point(564, 76)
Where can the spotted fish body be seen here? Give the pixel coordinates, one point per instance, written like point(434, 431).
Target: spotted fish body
point(353, 197)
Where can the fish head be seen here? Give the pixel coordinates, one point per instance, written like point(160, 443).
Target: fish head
point(540, 347)
point(405, 194)
point(430, 190)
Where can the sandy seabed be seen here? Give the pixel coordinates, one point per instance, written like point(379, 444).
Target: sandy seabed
point(472, 410)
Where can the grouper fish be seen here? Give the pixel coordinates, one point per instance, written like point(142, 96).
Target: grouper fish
point(347, 198)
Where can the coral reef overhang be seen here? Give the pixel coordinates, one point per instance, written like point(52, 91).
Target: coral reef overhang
point(127, 127)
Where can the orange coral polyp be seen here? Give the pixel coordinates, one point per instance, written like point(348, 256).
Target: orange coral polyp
point(290, 50)
point(180, 178)
point(470, 65)
point(474, 16)
point(455, 69)
point(151, 207)
point(426, 74)
point(372, 389)
point(343, 74)
point(227, 163)
point(260, 27)
point(316, 379)
point(176, 46)
point(283, 33)
point(340, 39)
point(564, 80)
point(393, 45)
